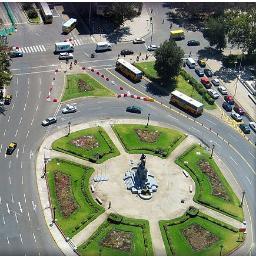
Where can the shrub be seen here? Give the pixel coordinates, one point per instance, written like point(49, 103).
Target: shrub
point(27, 6)
point(32, 13)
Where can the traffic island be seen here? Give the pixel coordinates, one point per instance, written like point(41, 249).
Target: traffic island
point(82, 85)
point(212, 189)
point(147, 139)
point(196, 233)
point(91, 144)
point(70, 196)
point(119, 235)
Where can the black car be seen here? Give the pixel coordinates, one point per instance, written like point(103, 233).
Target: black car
point(193, 43)
point(134, 109)
point(200, 72)
point(227, 106)
point(208, 72)
point(245, 128)
point(126, 52)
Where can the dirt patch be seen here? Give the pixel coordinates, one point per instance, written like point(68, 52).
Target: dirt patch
point(117, 239)
point(64, 193)
point(217, 188)
point(83, 86)
point(148, 136)
point(198, 237)
point(87, 142)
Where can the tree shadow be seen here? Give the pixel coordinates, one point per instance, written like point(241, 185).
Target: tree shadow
point(226, 74)
point(2, 110)
point(159, 88)
point(210, 53)
point(118, 34)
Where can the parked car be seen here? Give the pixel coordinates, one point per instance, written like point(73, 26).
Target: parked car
point(208, 72)
point(7, 99)
point(16, 53)
point(134, 109)
point(213, 94)
point(236, 117)
point(227, 106)
point(199, 72)
point(202, 62)
point(66, 56)
point(215, 82)
point(152, 47)
point(126, 52)
point(229, 99)
point(239, 110)
point(11, 147)
point(193, 43)
point(69, 109)
point(222, 90)
point(253, 126)
point(205, 81)
point(245, 128)
point(138, 41)
point(49, 121)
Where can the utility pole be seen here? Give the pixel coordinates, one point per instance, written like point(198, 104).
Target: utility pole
point(148, 120)
point(221, 248)
point(69, 124)
point(151, 21)
point(213, 146)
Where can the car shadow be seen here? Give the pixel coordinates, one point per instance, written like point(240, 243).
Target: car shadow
point(2, 110)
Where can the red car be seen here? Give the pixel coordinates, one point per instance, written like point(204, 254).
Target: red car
point(238, 110)
point(229, 99)
point(205, 81)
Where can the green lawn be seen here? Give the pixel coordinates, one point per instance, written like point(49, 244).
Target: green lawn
point(139, 230)
point(203, 186)
point(88, 209)
point(177, 244)
point(167, 141)
point(181, 84)
point(72, 90)
point(105, 149)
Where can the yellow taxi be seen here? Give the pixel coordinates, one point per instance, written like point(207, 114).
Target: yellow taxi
point(202, 62)
point(11, 147)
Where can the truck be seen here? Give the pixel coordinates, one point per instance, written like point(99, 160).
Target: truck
point(64, 47)
point(177, 34)
point(103, 46)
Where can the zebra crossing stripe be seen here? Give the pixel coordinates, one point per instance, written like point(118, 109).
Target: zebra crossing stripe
point(27, 49)
point(22, 49)
point(31, 49)
point(43, 48)
point(34, 48)
point(37, 48)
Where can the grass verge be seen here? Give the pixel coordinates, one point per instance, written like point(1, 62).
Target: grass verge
point(177, 244)
point(104, 150)
point(87, 209)
point(166, 142)
point(141, 239)
point(204, 187)
point(93, 87)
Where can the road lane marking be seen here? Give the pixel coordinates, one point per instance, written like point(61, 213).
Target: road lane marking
point(10, 181)
point(34, 237)
point(252, 155)
point(8, 240)
point(36, 72)
point(173, 117)
point(233, 160)
point(210, 121)
point(23, 148)
point(16, 93)
point(17, 155)
point(3, 220)
point(0, 200)
point(27, 93)
point(32, 121)
point(9, 119)
point(20, 206)
point(21, 165)
point(25, 198)
point(4, 131)
point(27, 133)
point(1, 146)
point(195, 129)
point(34, 206)
point(21, 239)
point(12, 198)
point(10, 164)
point(16, 133)
point(22, 179)
point(13, 106)
point(40, 82)
point(31, 154)
point(25, 106)
point(36, 107)
point(16, 217)
point(20, 120)
point(249, 180)
point(28, 80)
point(28, 217)
point(7, 206)
point(39, 95)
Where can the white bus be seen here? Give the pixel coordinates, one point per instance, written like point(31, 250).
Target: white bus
point(187, 103)
point(69, 25)
point(46, 12)
point(129, 70)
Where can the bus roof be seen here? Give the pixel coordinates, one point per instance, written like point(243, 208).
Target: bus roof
point(129, 66)
point(46, 8)
point(69, 22)
point(177, 31)
point(187, 98)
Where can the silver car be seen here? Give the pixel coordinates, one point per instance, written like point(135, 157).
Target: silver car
point(253, 126)
point(236, 117)
point(69, 109)
point(222, 90)
point(65, 56)
point(213, 93)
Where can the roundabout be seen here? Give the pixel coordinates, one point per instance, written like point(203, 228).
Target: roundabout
point(109, 197)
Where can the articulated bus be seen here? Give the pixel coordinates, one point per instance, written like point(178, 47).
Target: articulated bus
point(129, 70)
point(187, 103)
point(69, 25)
point(46, 12)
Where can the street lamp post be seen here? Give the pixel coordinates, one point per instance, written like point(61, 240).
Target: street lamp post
point(242, 201)
point(148, 120)
point(44, 173)
point(213, 146)
point(239, 69)
point(221, 248)
point(151, 39)
point(54, 214)
point(69, 124)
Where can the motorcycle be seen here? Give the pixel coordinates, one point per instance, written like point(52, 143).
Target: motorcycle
point(92, 55)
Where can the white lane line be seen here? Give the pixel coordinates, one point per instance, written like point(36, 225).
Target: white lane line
point(10, 164)
point(25, 106)
point(23, 148)
point(31, 154)
point(195, 129)
point(7, 206)
point(3, 220)
point(233, 160)
point(17, 155)
point(86, 54)
point(16, 133)
point(13, 106)
point(20, 120)
point(28, 217)
point(7, 240)
point(1, 148)
point(12, 198)
point(4, 131)
point(34, 206)
point(36, 107)
point(27, 133)
point(249, 180)
point(16, 217)
point(0, 200)
point(20, 207)
point(10, 181)
point(21, 165)
point(21, 239)
point(39, 95)
point(32, 121)
point(22, 181)
point(173, 117)
point(25, 198)
point(34, 237)
point(210, 121)
point(252, 155)
point(9, 119)
point(16, 93)
point(28, 80)
point(27, 93)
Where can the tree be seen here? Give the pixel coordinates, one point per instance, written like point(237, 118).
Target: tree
point(120, 12)
point(168, 60)
point(32, 13)
point(215, 32)
point(27, 6)
point(5, 75)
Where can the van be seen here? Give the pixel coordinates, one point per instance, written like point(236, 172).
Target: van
point(103, 46)
point(191, 63)
point(64, 47)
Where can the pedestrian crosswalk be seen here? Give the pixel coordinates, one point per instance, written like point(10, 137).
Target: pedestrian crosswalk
point(33, 49)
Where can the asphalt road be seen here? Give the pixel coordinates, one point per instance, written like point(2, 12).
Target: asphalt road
point(22, 228)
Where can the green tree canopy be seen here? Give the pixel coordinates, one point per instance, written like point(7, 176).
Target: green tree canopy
point(168, 60)
point(5, 75)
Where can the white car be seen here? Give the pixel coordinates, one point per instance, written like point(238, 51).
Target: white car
point(236, 117)
point(138, 41)
point(253, 126)
point(222, 90)
point(65, 56)
point(69, 109)
point(49, 120)
point(152, 47)
point(213, 94)
point(215, 82)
